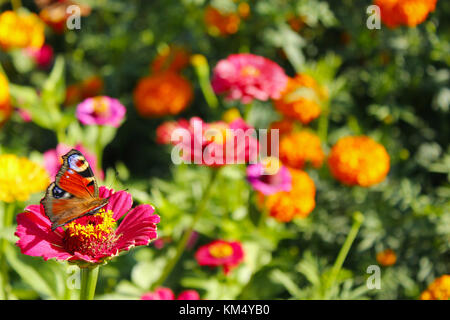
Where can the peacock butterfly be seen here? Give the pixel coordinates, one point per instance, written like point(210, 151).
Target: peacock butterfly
point(74, 193)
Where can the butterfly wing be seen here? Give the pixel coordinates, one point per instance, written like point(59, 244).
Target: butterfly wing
point(74, 193)
point(76, 176)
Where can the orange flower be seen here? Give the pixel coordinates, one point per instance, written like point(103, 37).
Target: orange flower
point(387, 257)
point(161, 94)
point(301, 99)
point(21, 30)
point(405, 12)
point(439, 289)
point(172, 58)
point(299, 202)
point(5, 105)
point(300, 147)
point(359, 161)
point(221, 23)
point(296, 22)
point(90, 87)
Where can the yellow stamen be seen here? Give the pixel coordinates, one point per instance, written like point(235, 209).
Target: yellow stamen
point(97, 231)
point(250, 71)
point(221, 250)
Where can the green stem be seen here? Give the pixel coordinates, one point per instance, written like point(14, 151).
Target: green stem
point(202, 70)
point(322, 129)
point(187, 234)
point(6, 220)
point(358, 219)
point(99, 148)
point(89, 278)
point(16, 4)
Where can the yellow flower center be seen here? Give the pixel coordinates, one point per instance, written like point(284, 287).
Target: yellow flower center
point(98, 226)
point(101, 106)
point(250, 71)
point(221, 250)
point(218, 133)
point(271, 165)
point(92, 235)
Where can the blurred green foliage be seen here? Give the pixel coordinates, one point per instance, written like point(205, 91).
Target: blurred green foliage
point(391, 84)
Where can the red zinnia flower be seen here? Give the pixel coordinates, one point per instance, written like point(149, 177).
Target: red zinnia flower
point(167, 294)
point(89, 239)
point(220, 253)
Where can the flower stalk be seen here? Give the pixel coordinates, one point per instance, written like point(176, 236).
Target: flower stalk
point(358, 219)
point(202, 70)
point(6, 220)
point(89, 278)
point(187, 234)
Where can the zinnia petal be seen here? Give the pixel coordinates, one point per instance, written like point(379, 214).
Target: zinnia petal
point(137, 228)
point(34, 236)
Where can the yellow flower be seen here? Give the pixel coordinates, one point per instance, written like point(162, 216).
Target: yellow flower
point(387, 257)
point(20, 177)
point(359, 161)
point(439, 289)
point(21, 30)
point(230, 115)
point(5, 105)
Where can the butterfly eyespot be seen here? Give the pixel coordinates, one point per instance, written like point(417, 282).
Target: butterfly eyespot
point(58, 192)
point(77, 163)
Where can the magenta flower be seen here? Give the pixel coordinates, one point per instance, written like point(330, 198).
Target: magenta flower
point(220, 253)
point(89, 239)
point(266, 180)
point(167, 294)
point(101, 110)
point(216, 143)
point(42, 56)
point(247, 76)
point(53, 159)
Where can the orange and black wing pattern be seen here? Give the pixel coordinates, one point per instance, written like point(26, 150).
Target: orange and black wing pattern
point(74, 193)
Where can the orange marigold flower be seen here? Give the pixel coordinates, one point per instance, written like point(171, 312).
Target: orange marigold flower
point(91, 87)
point(387, 257)
point(439, 289)
point(21, 30)
point(405, 12)
point(301, 99)
point(5, 105)
point(166, 93)
point(300, 147)
point(173, 58)
point(299, 202)
point(221, 23)
point(244, 10)
point(359, 161)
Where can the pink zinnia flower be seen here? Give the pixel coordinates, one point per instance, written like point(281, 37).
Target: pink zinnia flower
point(220, 253)
point(167, 294)
point(165, 130)
point(89, 239)
point(42, 56)
point(269, 178)
point(53, 159)
point(217, 143)
point(101, 110)
point(247, 76)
